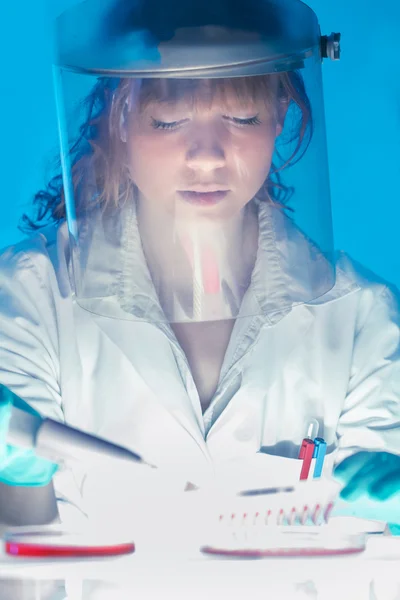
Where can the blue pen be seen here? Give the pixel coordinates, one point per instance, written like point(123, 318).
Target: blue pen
point(319, 454)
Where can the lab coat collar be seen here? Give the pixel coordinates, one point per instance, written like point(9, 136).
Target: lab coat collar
point(290, 270)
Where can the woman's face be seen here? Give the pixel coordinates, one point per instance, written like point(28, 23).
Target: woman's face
point(205, 158)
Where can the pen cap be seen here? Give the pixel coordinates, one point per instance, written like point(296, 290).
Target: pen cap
point(312, 429)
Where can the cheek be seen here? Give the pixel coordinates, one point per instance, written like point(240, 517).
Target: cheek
point(253, 158)
point(151, 161)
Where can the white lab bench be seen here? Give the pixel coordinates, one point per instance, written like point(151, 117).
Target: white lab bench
point(371, 575)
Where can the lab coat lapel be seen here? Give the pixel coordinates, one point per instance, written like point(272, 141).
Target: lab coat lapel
point(239, 429)
point(149, 354)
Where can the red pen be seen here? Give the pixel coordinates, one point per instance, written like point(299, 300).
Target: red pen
point(306, 454)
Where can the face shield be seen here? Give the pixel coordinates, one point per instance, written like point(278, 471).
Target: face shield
point(195, 177)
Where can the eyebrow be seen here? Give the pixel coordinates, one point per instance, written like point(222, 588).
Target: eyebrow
point(167, 103)
point(191, 103)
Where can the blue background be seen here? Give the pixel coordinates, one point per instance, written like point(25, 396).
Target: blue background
point(362, 99)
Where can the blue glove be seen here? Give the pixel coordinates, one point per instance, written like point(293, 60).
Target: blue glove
point(394, 529)
point(19, 466)
point(371, 487)
point(374, 474)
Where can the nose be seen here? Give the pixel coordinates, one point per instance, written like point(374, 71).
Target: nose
point(205, 151)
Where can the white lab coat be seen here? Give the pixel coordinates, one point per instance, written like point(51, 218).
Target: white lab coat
point(335, 360)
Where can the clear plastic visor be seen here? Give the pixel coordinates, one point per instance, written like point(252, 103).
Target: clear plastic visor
point(194, 200)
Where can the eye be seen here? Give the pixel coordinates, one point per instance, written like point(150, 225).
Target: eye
point(243, 122)
point(166, 125)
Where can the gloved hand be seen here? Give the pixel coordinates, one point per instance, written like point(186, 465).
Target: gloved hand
point(372, 479)
point(19, 466)
point(375, 474)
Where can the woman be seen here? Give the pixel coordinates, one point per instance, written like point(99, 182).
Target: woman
point(185, 301)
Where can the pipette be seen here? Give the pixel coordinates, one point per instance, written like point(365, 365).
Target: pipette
point(57, 441)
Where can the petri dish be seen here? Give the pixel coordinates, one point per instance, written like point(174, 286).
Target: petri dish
point(286, 542)
point(63, 544)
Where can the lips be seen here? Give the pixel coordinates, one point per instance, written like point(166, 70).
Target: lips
point(204, 198)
